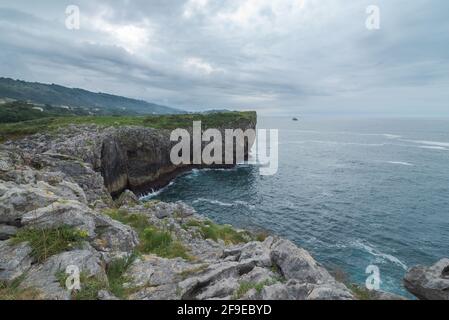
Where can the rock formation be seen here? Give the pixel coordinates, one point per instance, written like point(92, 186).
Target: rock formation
point(56, 211)
point(429, 283)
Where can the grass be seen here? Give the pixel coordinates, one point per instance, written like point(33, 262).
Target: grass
point(116, 278)
point(152, 240)
point(12, 291)
point(20, 129)
point(47, 242)
point(246, 286)
point(215, 232)
point(90, 285)
point(161, 243)
point(361, 293)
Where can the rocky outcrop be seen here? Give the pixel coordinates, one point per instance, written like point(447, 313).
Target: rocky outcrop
point(51, 182)
point(429, 283)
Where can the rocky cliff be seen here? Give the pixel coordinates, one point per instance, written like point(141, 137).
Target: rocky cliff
point(56, 212)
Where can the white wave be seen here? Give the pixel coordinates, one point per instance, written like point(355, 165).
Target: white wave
point(384, 256)
point(433, 147)
point(430, 143)
point(391, 136)
point(401, 163)
point(154, 193)
point(385, 135)
point(336, 143)
point(225, 204)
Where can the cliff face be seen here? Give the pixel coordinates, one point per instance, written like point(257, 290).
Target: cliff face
point(138, 158)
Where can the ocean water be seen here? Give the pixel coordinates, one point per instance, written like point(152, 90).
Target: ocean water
point(354, 192)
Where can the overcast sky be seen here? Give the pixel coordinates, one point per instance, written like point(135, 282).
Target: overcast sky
point(275, 56)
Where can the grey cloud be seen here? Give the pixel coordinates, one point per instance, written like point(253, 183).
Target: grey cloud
point(318, 61)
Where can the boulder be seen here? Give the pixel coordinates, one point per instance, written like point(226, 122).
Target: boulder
point(7, 232)
point(127, 198)
point(113, 238)
point(43, 277)
point(65, 213)
point(429, 283)
point(297, 263)
point(14, 260)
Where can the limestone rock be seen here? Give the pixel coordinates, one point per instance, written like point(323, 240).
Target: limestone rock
point(429, 283)
point(297, 263)
point(14, 260)
point(66, 213)
point(43, 277)
point(127, 198)
point(7, 232)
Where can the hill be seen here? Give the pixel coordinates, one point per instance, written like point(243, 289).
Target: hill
point(90, 102)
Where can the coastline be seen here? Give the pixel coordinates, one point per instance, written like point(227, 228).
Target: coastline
point(55, 175)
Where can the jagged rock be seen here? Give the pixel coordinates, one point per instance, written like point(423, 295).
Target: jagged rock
point(14, 260)
point(158, 277)
point(259, 252)
point(194, 287)
point(67, 213)
point(330, 291)
point(429, 283)
point(43, 277)
point(7, 232)
point(297, 263)
point(113, 238)
point(274, 292)
point(127, 198)
point(106, 295)
point(221, 289)
point(155, 271)
point(15, 200)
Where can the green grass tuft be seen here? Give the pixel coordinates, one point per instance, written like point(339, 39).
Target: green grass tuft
point(152, 239)
point(12, 291)
point(246, 286)
point(215, 232)
point(48, 242)
point(161, 243)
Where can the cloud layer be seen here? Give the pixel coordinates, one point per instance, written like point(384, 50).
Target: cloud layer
point(276, 56)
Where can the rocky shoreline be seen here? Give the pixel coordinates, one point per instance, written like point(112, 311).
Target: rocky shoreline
point(57, 210)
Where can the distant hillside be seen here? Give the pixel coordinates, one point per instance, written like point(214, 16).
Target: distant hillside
point(94, 103)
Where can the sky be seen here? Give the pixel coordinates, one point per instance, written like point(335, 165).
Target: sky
point(279, 57)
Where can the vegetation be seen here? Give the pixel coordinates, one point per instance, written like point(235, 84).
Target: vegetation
point(91, 285)
point(215, 232)
point(152, 239)
point(246, 286)
point(98, 103)
point(23, 111)
point(48, 242)
point(116, 276)
point(12, 291)
point(215, 120)
point(161, 243)
point(361, 293)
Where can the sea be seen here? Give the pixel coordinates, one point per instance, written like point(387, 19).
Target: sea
point(353, 191)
